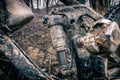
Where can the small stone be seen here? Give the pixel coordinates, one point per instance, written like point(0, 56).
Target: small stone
point(30, 48)
point(36, 51)
point(43, 36)
point(51, 50)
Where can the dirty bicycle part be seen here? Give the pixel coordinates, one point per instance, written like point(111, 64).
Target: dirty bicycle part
point(15, 63)
point(16, 14)
point(55, 24)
